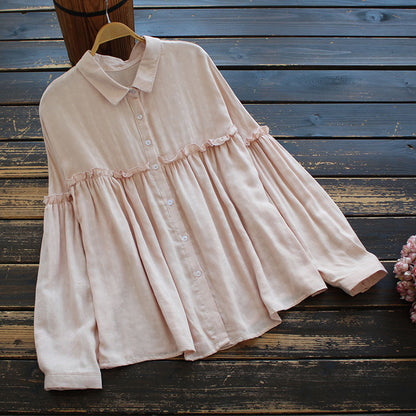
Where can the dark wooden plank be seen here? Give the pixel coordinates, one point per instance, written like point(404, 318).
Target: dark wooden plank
point(320, 157)
point(17, 283)
point(291, 52)
point(266, 414)
point(259, 85)
point(20, 241)
point(24, 87)
point(310, 51)
point(20, 122)
point(384, 236)
point(323, 85)
point(18, 291)
point(17, 339)
point(22, 197)
point(343, 333)
point(337, 120)
point(23, 159)
point(234, 22)
point(269, 414)
point(285, 121)
point(354, 157)
point(206, 386)
point(22, 5)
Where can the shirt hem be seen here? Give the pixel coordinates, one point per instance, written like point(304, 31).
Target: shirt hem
point(275, 321)
point(141, 358)
point(271, 321)
point(234, 341)
point(224, 344)
point(315, 291)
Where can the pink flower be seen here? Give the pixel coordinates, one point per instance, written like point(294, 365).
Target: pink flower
point(401, 266)
point(404, 251)
point(413, 313)
point(402, 287)
point(410, 298)
point(411, 243)
point(405, 272)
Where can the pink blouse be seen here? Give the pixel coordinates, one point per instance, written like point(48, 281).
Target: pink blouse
point(174, 223)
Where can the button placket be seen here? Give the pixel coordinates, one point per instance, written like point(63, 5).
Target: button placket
point(195, 275)
point(141, 125)
point(196, 272)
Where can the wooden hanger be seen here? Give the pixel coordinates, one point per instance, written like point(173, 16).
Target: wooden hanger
point(111, 31)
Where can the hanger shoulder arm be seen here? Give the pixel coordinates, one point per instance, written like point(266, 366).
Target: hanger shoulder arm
point(111, 31)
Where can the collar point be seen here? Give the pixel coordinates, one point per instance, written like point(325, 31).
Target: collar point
point(114, 100)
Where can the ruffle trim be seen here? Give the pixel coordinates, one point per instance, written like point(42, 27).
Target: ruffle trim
point(259, 133)
point(190, 148)
point(183, 152)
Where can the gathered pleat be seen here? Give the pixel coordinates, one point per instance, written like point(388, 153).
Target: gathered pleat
point(132, 276)
point(263, 236)
point(247, 245)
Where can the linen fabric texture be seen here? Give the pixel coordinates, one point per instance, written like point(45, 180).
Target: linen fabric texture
point(174, 223)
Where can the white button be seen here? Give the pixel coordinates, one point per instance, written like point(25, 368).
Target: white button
point(139, 116)
point(148, 142)
point(170, 201)
point(197, 273)
point(133, 91)
point(184, 237)
point(155, 166)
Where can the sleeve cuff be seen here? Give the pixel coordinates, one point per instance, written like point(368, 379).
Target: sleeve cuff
point(74, 381)
point(363, 278)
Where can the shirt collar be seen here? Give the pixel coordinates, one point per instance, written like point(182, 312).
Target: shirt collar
point(111, 89)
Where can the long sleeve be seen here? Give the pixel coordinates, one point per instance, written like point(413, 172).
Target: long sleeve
point(65, 329)
point(315, 219)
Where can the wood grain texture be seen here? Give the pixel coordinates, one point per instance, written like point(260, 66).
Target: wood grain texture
point(358, 157)
point(235, 22)
point(22, 197)
point(226, 387)
point(332, 121)
point(235, 52)
point(335, 83)
point(269, 85)
point(303, 334)
point(22, 5)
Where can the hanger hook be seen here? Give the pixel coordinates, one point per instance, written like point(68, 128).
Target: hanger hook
point(106, 11)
